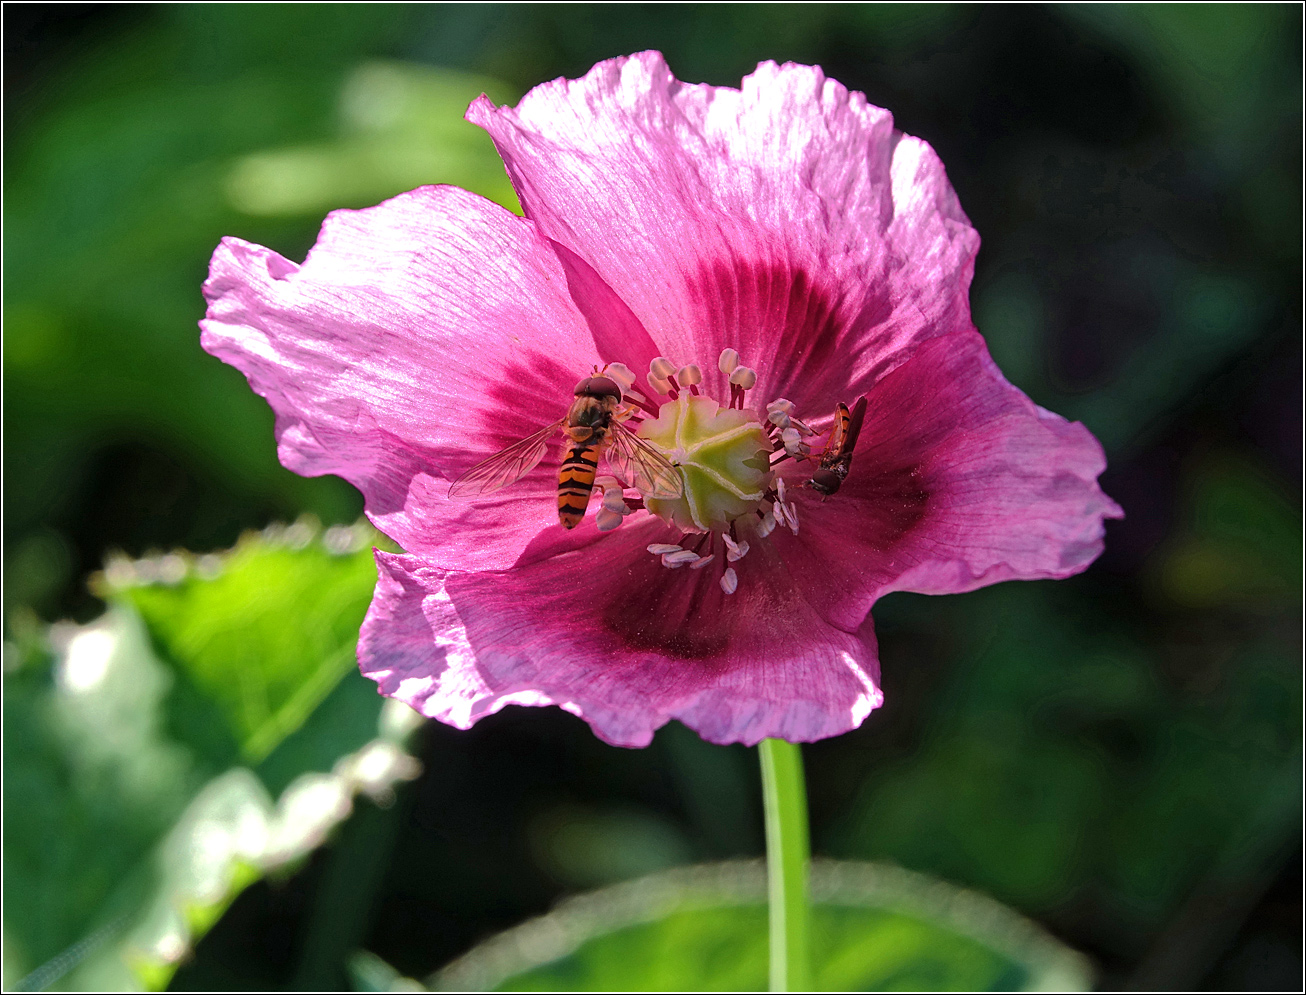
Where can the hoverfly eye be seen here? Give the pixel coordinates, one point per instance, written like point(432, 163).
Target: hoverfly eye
point(598, 387)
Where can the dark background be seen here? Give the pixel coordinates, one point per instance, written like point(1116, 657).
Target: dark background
point(1117, 755)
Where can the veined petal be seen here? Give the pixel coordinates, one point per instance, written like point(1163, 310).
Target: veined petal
point(626, 647)
point(787, 220)
point(958, 481)
point(419, 337)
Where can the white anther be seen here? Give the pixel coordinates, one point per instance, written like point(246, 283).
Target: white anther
point(633, 395)
point(659, 385)
point(690, 374)
point(606, 483)
point(781, 404)
point(730, 581)
point(787, 514)
point(766, 525)
point(661, 548)
point(621, 373)
point(779, 419)
point(728, 361)
point(744, 376)
point(735, 550)
point(661, 368)
point(614, 500)
point(803, 427)
point(792, 440)
point(679, 558)
point(702, 562)
point(607, 519)
point(780, 489)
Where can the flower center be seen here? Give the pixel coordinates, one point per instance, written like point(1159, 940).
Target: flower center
point(723, 455)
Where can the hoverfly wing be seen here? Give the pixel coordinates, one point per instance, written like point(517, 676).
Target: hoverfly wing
point(854, 425)
point(505, 467)
point(641, 466)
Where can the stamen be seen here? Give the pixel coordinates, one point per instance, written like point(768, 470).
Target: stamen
point(662, 548)
point(622, 374)
point(766, 525)
point(679, 558)
point(607, 519)
point(780, 489)
point(702, 561)
point(793, 442)
point(691, 376)
point(661, 368)
point(728, 361)
point(735, 550)
point(744, 377)
point(614, 500)
point(659, 384)
point(781, 404)
point(730, 581)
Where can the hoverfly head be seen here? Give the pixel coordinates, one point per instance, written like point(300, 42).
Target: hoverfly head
point(598, 387)
point(824, 481)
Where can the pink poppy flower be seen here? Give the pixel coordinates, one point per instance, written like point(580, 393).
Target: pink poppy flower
point(755, 256)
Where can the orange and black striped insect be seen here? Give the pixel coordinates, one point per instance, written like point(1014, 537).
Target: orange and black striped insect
point(837, 459)
point(591, 428)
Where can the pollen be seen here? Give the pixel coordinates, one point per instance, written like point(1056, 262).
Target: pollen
point(716, 449)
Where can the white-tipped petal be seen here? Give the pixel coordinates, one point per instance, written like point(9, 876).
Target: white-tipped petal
point(607, 519)
point(690, 374)
point(744, 376)
point(702, 562)
point(730, 581)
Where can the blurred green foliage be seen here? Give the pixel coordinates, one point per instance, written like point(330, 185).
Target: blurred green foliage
point(1119, 754)
point(875, 928)
point(135, 735)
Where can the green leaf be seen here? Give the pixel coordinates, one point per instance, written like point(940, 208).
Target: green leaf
point(132, 816)
point(875, 928)
point(268, 637)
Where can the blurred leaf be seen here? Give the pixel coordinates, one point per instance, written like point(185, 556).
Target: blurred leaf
point(1240, 545)
point(1057, 761)
point(268, 637)
point(127, 834)
point(876, 928)
point(369, 973)
point(401, 127)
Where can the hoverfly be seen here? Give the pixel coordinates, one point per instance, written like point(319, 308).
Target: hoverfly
point(837, 458)
point(590, 429)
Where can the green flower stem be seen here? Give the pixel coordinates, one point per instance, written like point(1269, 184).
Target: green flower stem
point(788, 858)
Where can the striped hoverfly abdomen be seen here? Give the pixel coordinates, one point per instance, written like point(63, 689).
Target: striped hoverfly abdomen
point(592, 427)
